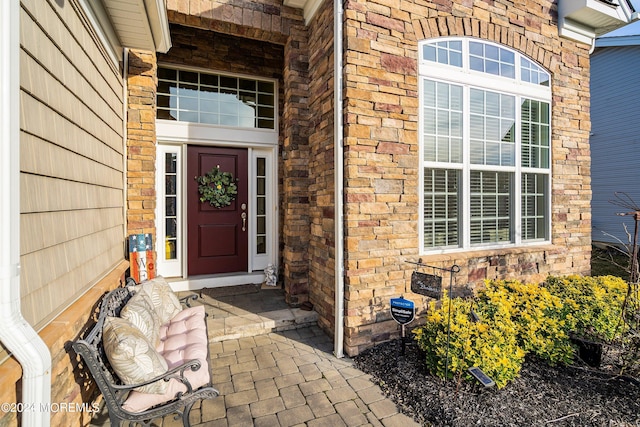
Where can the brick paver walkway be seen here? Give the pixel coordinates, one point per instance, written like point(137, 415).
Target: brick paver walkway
point(289, 378)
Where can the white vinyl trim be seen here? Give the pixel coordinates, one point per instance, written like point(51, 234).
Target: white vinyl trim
point(338, 162)
point(258, 262)
point(201, 134)
point(16, 334)
point(168, 267)
point(99, 20)
point(467, 79)
point(215, 281)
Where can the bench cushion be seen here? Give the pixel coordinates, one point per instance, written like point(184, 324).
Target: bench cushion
point(182, 339)
point(131, 355)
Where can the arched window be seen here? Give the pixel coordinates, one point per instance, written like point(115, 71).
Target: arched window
point(485, 127)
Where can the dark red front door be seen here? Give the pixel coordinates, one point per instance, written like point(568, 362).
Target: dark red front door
point(217, 237)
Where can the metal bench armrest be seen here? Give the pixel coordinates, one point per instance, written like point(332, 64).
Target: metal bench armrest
point(174, 373)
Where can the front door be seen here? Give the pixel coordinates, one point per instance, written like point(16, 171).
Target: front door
point(217, 238)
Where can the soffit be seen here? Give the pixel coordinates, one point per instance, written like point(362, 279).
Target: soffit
point(583, 20)
point(140, 24)
point(309, 7)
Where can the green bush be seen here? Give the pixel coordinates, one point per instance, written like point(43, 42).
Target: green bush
point(594, 302)
point(515, 319)
point(518, 319)
point(541, 319)
point(489, 344)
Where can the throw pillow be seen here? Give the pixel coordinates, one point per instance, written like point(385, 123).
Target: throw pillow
point(131, 355)
point(165, 303)
point(140, 312)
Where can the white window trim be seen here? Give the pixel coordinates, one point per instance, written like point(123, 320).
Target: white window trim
point(258, 262)
point(175, 136)
point(197, 133)
point(238, 134)
point(172, 267)
point(467, 78)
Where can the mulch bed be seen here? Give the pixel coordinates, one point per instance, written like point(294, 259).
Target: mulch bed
point(542, 395)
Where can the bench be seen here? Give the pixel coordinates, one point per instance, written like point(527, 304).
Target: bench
point(148, 355)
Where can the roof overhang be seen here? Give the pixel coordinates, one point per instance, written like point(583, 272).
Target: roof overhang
point(618, 41)
point(135, 24)
point(584, 20)
point(309, 7)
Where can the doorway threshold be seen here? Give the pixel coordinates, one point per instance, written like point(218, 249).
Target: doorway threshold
point(215, 281)
point(236, 312)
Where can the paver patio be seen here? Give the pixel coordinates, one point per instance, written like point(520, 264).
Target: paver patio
point(294, 380)
point(283, 378)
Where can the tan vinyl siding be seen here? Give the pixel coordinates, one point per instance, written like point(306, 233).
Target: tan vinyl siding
point(71, 158)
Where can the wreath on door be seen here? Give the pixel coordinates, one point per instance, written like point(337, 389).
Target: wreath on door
point(217, 188)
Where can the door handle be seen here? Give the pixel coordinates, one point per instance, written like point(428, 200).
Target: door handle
point(244, 221)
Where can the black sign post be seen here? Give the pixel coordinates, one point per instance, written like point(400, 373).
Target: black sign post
point(403, 311)
point(431, 286)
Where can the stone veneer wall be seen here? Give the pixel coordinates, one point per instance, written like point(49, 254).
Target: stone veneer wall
point(382, 158)
point(321, 166)
point(270, 21)
point(294, 193)
point(208, 50)
point(141, 143)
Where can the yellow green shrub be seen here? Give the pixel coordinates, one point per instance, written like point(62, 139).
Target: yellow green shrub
point(594, 302)
point(541, 319)
point(517, 319)
point(489, 344)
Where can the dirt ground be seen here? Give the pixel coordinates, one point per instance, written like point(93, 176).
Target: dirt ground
point(560, 396)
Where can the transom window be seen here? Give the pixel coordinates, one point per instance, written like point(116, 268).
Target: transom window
point(483, 57)
point(215, 99)
point(486, 146)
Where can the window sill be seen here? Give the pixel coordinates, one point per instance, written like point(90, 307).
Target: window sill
point(482, 253)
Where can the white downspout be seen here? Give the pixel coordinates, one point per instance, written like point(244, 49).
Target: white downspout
point(15, 333)
point(593, 45)
point(338, 162)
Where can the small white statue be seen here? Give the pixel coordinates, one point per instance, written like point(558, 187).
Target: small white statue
point(271, 277)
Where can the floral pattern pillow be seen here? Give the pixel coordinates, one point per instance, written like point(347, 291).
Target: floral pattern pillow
point(165, 303)
point(139, 311)
point(132, 356)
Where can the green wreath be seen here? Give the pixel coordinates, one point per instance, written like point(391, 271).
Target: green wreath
point(216, 187)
